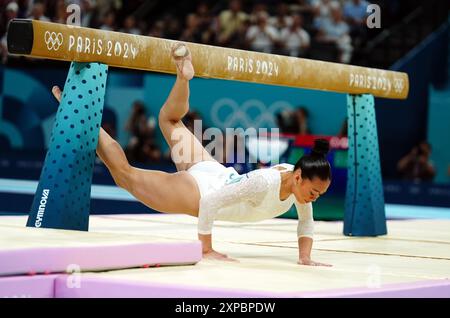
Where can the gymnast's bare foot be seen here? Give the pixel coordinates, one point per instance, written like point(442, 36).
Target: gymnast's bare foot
point(183, 61)
point(56, 93)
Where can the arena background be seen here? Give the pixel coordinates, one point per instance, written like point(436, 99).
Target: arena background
point(27, 112)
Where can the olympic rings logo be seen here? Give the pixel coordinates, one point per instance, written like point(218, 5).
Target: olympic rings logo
point(227, 113)
point(53, 40)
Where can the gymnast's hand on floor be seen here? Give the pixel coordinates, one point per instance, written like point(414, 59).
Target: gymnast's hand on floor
point(212, 254)
point(309, 262)
point(209, 252)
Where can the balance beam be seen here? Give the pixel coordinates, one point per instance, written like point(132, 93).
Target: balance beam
point(72, 43)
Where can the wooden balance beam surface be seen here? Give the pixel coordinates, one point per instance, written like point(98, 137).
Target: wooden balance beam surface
point(72, 43)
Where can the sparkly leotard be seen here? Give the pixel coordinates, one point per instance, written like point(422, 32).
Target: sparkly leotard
point(228, 196)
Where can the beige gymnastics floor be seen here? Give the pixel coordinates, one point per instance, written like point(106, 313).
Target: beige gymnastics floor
point(413, 251)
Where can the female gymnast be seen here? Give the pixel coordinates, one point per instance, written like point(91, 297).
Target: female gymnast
point(204, 188)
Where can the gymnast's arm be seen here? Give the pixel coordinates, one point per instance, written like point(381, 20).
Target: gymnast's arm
point(252, 189)
point(305, 232)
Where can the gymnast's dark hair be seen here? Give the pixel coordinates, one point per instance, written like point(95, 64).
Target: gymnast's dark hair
point(315, 164)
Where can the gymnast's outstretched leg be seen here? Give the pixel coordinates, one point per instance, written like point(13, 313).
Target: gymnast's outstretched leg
point(158, 190)
point(186, 149)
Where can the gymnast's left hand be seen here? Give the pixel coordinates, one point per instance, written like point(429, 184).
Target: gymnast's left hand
point(310, 262)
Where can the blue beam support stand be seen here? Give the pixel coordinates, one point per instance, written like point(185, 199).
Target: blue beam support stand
point(364, 202)
point(62, 199)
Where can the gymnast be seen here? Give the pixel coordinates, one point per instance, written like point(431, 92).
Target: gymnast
point(204, 188)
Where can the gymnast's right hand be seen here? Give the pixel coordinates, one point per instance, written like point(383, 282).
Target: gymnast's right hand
point(209, 253)
point(57, 93)
point(212, 254)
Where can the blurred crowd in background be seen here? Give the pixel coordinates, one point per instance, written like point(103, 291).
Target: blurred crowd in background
point(321, 29)
point(330, 30)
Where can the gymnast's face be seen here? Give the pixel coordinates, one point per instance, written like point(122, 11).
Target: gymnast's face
point(308, 190)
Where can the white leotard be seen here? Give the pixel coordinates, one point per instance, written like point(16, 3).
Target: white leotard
point(228, 196)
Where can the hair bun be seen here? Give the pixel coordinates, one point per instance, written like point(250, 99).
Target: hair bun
point(321, 147)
